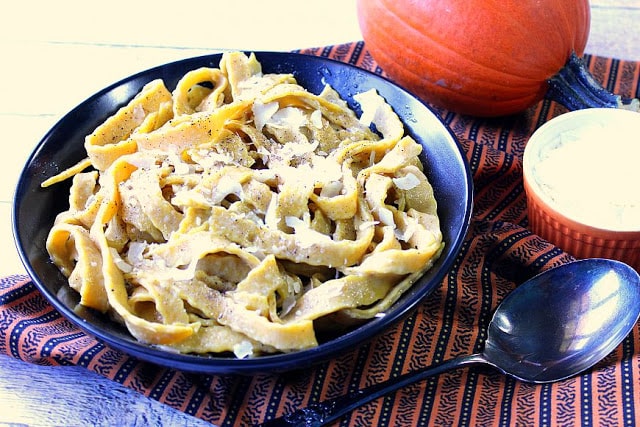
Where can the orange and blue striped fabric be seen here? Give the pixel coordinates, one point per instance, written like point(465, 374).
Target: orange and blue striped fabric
point(498, 254)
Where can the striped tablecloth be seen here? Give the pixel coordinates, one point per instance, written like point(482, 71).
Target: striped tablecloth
point(498, 254)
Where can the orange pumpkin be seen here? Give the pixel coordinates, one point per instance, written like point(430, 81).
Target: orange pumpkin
point(480, 57)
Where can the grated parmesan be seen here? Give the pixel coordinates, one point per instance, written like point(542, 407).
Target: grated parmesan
point(593, 177)
point(407, 182)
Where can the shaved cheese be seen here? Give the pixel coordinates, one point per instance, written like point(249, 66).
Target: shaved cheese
point(316, 119)
point(262, 113)
point(139, 113)
point(120, 263)
point(136, 249)
point(376, 111)
point(271, 218)
point(370, 102)
point(305, 236)
point(326, 169)
point(407, 182)
point(289, 116)
point(368, 224)
point(243, 349)
point(411, 227)
point(386, 216)
point(225, 187)
point(331, 189)
point(288, 304)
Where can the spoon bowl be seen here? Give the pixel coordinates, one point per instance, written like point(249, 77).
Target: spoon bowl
point(564, 321)
point(554, 326)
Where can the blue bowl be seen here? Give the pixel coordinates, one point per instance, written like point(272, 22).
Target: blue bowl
point(35, 208)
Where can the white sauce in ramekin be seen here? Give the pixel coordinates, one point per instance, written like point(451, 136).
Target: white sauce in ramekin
point(591, 173)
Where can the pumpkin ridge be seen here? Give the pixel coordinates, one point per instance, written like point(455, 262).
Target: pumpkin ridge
point(487, 61)
point(473, 103)
point(434, 42)
point(491, 57)
point(548, 49)
point(518, 88)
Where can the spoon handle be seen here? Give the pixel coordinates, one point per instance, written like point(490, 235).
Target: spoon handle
point(322, 413)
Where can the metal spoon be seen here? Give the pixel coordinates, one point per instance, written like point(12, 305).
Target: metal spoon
point(554, 326)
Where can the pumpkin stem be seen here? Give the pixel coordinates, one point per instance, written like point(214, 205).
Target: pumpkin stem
point(575, 88)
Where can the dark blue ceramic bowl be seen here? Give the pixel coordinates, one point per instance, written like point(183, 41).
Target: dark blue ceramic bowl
point(35, 208)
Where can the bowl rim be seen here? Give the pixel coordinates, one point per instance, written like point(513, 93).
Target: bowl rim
point(536, 145)
point(264, 363)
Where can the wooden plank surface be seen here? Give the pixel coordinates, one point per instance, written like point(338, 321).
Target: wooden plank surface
point(614, 29)
point(65, 46)
point(73, 396)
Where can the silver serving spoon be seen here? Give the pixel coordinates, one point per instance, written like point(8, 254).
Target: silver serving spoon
point(554, 326)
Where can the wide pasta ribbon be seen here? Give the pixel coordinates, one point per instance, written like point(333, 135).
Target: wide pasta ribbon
point(240, 213)
point(112, 139)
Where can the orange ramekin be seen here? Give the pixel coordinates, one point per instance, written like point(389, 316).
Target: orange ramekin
point(554, 222)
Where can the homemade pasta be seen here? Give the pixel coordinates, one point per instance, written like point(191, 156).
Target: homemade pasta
point(241, 213)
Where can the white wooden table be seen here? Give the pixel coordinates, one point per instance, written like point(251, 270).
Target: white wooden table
point(56, 54)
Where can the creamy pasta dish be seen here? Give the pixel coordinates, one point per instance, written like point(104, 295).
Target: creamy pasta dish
point(240, 213)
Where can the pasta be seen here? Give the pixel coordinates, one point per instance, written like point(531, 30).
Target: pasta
point(240, 213)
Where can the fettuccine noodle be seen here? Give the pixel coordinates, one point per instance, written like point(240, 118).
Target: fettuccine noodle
point(240, 213)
